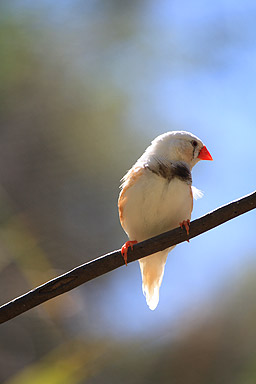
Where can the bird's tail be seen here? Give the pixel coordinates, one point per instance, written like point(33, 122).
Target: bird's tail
point(152, 272)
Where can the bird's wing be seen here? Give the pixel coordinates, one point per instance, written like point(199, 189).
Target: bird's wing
point(128, 181)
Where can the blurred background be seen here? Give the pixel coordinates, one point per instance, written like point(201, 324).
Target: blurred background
point(84, 87)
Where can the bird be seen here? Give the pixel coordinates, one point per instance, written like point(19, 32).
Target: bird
point(157, 196)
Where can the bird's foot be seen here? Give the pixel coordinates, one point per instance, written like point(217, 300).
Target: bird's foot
point(185, 224)
point(125, 247)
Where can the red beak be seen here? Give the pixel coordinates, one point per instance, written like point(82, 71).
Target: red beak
point(204, 154)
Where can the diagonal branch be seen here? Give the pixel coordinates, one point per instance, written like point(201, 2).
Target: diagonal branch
point(113, 260)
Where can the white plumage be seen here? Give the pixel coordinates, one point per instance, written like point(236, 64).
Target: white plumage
point(156, 196)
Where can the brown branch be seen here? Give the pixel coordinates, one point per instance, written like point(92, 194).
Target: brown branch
point(113, 260)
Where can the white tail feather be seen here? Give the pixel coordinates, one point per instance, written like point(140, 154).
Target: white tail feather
point(152, 272)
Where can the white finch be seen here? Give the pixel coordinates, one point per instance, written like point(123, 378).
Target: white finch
point(157, 196)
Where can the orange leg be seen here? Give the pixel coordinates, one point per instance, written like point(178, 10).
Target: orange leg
point(125, 247)
point(185, 224)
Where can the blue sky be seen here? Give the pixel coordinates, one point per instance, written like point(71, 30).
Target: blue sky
point(217, 103)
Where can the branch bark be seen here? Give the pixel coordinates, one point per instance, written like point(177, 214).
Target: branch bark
point(113, 260)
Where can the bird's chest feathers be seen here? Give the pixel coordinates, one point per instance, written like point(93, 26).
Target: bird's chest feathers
point(155, 204)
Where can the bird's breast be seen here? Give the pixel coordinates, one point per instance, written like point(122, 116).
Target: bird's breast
point(154, 205)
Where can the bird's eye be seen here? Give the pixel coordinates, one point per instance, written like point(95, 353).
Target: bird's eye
point(194, 143)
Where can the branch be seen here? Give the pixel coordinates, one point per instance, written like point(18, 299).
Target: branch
point(113, 260)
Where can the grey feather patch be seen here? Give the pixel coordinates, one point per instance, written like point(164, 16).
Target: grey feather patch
point(169, 170)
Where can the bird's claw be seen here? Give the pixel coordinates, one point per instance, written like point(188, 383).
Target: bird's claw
point(185, 224)
point(125, 247)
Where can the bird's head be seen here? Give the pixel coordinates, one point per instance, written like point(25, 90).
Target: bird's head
point(180, 146)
